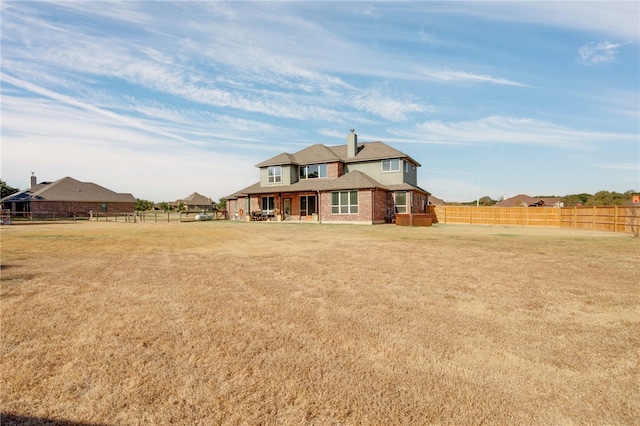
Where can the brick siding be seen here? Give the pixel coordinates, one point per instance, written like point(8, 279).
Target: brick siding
point(70, 209)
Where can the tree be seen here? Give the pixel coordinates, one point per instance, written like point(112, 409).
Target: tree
point(6, 190)
point(164, 206)
point(486, 201)
point(143, 205)
point(222, 204)
point(606, 198)
point(575, 199)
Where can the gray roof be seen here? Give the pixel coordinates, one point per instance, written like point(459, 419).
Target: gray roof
point(196, 199)
point(523, 200)
point(318, 153)
point(352, 180)
point(69, 189)
point(370, 151)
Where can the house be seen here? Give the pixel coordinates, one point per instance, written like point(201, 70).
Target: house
point(354, 183)
point(196, 202)
point(434, 201)
point(67, 197)
point(522, 200)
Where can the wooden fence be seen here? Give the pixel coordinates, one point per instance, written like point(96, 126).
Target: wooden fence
point(597, 218)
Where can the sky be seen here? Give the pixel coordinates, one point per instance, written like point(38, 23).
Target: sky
point(162, 99)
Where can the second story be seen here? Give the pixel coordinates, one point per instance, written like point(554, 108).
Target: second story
point(378, 160)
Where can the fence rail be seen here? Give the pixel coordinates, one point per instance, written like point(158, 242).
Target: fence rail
point(597, 218)
point(8, 217)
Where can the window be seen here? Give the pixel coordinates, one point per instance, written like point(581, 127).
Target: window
point(400, 199)
point(274, 174)
point(313, 171)
point(307, 205)
point(268, 204)
point(391, 165)
point(406, 166)
point(344, 202)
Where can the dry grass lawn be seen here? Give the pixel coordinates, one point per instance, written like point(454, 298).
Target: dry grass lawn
point(288, 324)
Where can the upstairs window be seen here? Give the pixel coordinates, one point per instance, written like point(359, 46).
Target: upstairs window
point(313, 171)
point(392, 165)
point(274, 174)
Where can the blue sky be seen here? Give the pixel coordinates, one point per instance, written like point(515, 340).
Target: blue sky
point(163, 99)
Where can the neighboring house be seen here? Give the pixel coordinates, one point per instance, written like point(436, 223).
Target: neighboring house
point(357, 183)
point(196, 202)
point(522, 200)
point(67, 197)
point(434, 201)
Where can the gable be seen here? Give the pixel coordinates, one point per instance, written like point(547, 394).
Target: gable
point(278, 160)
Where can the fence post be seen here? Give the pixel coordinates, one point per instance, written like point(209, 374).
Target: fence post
point(615, 218)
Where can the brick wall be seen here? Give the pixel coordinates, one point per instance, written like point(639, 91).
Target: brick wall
point(232, 209)
point(335, 170)
point(365, 202)
point(419, 203)
point(69, 208)
point(384, 206)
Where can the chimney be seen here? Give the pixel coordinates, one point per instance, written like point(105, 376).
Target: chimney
point(34, 180)
point(352, 144)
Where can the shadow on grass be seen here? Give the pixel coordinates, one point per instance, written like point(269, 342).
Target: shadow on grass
point(7, 419)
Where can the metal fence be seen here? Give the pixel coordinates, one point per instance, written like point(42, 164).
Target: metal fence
point(8, 217)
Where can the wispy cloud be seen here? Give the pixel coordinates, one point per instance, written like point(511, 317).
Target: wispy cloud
point(506, 130)
point(70, 101)
point(466, 77)
point(620, 166)
point(51, 137)
point(599, 52)
point(385, 105)
point(211, 84)
point(619, 19)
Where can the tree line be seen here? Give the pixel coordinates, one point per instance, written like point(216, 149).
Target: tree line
point(600, 198)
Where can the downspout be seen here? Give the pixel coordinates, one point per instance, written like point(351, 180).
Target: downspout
point(318, 206)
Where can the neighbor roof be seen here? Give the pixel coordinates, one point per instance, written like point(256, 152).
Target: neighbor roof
point(523, 200)
point(69, 189)
point(196, 199)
